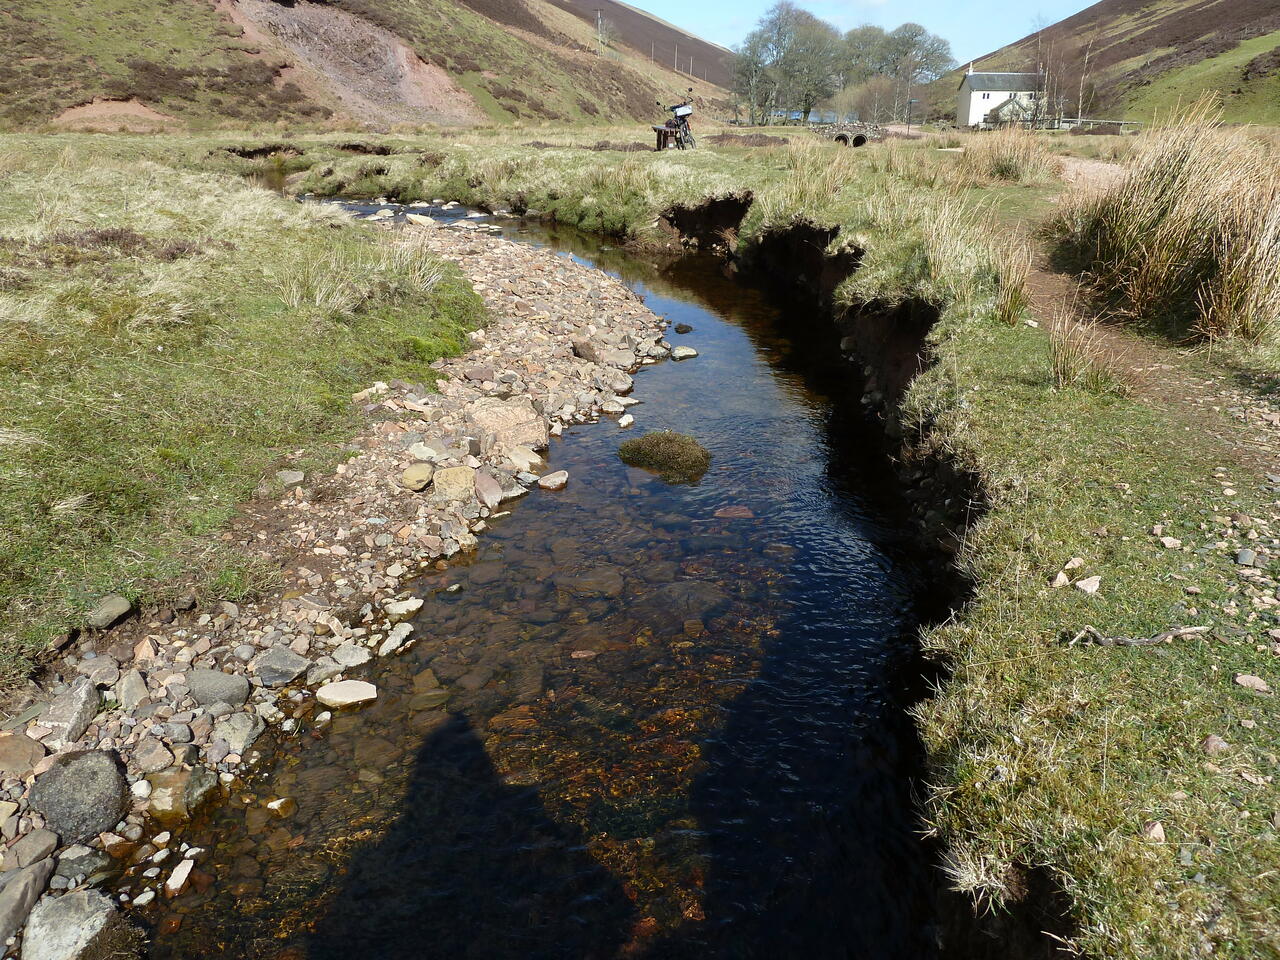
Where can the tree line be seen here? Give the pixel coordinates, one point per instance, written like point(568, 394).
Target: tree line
point(793, 60)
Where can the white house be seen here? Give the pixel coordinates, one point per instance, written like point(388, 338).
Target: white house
point(1011, 96)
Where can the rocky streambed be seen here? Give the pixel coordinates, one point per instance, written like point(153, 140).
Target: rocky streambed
point(618, 716)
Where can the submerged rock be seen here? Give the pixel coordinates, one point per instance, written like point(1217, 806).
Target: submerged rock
point(177, 793)
point(82, 794)
point(675, 457)
point(669, 606)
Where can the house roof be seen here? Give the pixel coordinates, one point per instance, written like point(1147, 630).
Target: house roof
point(1003, 81)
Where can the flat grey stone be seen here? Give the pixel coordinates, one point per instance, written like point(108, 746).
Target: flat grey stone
point(82, 794)
point(109, 611)
point(63, 928)
point(131, 690)
point(151, 755)
point(351, 655)
point(279, 666)
point(70, 714)
point(239, 730)
point(290, 478)
point(21, 890)
point(213, 686)
point(32, 848)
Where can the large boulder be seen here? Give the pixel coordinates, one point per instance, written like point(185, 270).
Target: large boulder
point(675, 457)
point(513, 423)
point(82, 795)
point(214, 686)
point(19, 890)
point(64, 928)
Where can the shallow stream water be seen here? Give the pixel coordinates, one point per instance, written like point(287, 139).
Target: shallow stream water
point(669, 720)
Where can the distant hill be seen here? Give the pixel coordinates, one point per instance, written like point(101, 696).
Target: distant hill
point(666, 44)
point(142, 64)
point(1146, 56)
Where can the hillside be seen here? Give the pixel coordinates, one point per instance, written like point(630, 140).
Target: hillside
point(655, 38)
point(142, 64)
point(1146, 56)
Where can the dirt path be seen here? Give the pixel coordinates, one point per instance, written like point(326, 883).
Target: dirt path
point(1236, 410)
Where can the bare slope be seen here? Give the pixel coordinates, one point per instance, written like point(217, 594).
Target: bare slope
point(1146, 56)
point(361, 61)
point(649, 36)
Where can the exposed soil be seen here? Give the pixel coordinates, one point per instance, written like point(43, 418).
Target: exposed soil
point(747, 140)
point(370, 72)
point(113, 115)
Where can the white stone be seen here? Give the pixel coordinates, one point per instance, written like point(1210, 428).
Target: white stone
point(403, 608)
point(554, 481)
point(347, 693)
point(179, 879)
point(1089, 585)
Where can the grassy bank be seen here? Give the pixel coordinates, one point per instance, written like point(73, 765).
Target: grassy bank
point(1044, 755)
point(168, 338)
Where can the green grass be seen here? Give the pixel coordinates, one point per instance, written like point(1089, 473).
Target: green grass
point(1253, 101)
point(169, 338)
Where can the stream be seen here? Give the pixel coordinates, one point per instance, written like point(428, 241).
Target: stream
point(643, 720)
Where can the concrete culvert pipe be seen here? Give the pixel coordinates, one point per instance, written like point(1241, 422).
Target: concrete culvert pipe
point(859, 141)
point(842, 140)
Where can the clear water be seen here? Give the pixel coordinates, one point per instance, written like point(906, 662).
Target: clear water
point(667, 732)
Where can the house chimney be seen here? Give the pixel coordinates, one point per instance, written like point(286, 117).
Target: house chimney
point(971, 68)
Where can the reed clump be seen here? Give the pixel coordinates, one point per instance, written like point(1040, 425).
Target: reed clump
point(1189, 239)
point(1009, 156)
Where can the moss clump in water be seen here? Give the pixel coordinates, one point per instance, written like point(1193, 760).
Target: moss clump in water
point(676, 458)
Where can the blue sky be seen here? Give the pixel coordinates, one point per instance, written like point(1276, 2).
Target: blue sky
point(974, 27)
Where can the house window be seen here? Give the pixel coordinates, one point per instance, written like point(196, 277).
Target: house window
point(986, 96)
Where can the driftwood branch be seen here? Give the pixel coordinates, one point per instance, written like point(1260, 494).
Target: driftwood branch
point(1093, 635)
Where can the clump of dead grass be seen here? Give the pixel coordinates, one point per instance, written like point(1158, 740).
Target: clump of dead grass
point(1009, 156)
point(1190, 237)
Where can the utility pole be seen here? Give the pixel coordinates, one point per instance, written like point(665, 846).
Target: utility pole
point(600, 32)
point(675, 59)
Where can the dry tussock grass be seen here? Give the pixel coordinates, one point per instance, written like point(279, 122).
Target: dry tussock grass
point(1192, 232)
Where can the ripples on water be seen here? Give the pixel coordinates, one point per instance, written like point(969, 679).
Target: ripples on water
point(666, 733)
